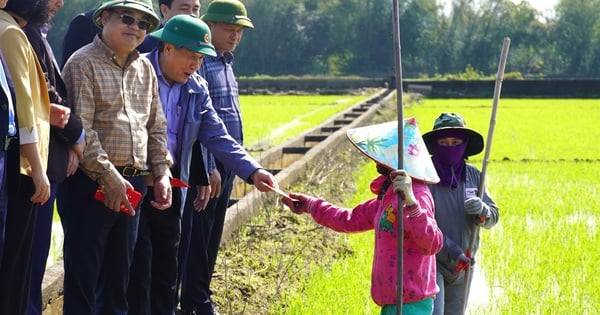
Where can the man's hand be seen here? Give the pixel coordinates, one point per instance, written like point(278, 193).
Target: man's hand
point(114, 198)
point(263, 180)
point(163, 194)
point(202, 198)
point(79, 148)
point(214, 180)
point(72, 163)
point(59, 115)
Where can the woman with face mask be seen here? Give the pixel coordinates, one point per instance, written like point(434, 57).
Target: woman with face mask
point(457, 206)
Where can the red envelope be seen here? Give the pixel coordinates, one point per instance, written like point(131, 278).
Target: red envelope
point(176, 182)
point(133, 196)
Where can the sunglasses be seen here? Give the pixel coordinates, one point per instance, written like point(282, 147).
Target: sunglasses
point(129, 20)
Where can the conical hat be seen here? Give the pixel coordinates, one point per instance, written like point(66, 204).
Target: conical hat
point(380, 143)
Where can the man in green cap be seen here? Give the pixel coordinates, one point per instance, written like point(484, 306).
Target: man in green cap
point(227, 20)
point(184, 42)
point(114, 91)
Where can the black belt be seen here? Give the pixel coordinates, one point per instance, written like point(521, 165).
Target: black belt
point(6, 142)
point(129, 171)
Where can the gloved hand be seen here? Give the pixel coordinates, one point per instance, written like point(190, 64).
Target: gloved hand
point(475, 206)
point(456, 253)
point(402, 184)
point(462, 262)
point(299, 203)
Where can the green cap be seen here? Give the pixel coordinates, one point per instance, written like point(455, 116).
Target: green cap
point(187, 31)
point(228, 11)
point(144, 6)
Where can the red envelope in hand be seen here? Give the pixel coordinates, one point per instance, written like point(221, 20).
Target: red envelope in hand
point(133, 196)
point(176, 182)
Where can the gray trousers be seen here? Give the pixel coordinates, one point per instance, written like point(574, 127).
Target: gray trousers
point(449, 301)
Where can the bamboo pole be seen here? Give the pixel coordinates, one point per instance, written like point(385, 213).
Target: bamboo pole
point(486, 157)
point(400, 234)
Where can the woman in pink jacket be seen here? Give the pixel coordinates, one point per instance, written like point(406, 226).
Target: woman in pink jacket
point(422, 237)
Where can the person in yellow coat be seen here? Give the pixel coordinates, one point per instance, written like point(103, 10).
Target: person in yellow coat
point(33, 114)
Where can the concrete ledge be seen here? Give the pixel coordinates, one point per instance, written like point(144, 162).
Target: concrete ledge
point(52, 285)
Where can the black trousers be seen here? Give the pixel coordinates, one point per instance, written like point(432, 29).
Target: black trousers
point(204, 240)
point(98, 248)
point(154, 269)
point(15, 269)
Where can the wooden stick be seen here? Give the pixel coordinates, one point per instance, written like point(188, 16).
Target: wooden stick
point(486, 157)
point(400, 234)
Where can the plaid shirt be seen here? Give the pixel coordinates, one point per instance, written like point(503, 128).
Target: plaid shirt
point(223, 89)
point(120, 111)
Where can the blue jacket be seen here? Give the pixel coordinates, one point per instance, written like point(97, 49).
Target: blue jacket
point(199, 121)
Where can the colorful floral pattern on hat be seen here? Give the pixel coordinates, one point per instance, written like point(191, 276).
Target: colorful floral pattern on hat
point(380, 143)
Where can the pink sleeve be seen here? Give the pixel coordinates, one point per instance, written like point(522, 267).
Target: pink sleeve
point(423, 227)
point(344, 220)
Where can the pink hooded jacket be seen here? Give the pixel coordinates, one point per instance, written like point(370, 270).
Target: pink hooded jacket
point(422, 240)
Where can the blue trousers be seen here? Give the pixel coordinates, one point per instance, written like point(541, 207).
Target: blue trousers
point(154, 269)
point(41, 246)
point(204, 241)
point(98, 248)
point(3, 200)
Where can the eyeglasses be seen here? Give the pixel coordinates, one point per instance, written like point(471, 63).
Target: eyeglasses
point(129, 20)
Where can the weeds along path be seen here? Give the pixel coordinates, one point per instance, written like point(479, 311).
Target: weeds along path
point(270, 254)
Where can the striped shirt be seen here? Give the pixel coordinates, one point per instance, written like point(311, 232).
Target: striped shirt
point(120, 111)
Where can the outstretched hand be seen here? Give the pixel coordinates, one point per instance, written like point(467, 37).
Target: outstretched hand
point(263, 180)
point(299, 203)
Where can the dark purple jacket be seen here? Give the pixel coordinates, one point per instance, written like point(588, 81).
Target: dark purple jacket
point(61, 139)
